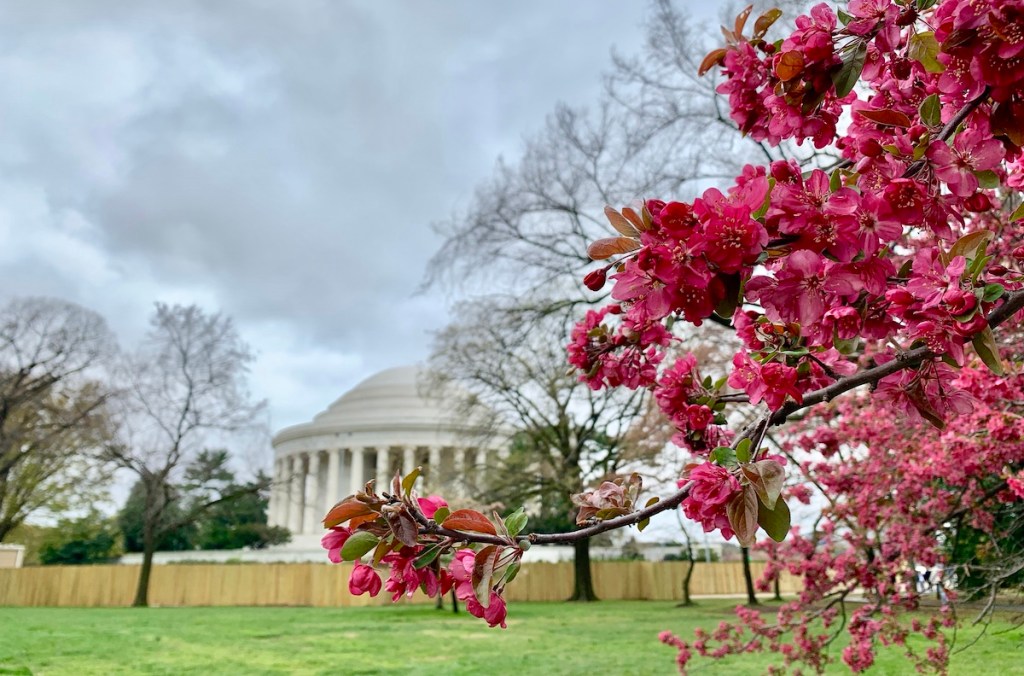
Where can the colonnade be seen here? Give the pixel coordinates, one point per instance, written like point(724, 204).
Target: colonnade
point(307, 484)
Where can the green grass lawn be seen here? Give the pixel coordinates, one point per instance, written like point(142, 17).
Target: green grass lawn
point(612, 637)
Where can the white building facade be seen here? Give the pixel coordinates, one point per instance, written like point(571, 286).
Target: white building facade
point(381, 426)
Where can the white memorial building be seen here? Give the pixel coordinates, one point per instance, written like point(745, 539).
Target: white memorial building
point(381, 426)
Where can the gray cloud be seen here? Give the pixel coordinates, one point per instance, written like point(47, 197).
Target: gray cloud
point(279, 161)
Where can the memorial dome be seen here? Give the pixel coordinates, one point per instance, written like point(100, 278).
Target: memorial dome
point(387, 423)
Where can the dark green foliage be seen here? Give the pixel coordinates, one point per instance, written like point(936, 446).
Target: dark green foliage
point(131, 518)
point(241, 522)
point(92, 538)
point(196, 516)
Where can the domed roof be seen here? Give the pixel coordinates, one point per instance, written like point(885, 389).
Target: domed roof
point(391, 396)
point(391, 400)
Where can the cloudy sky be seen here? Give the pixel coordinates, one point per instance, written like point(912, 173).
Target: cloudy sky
point(279, 161)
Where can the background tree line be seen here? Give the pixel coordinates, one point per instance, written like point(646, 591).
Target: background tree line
point(76, 411)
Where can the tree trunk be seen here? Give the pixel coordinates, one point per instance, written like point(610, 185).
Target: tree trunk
point(583, 582)
point(455, 601)
point(148, 549)
point(778, 592)
point(748, 578)
point(687, 601)
point(151, 516)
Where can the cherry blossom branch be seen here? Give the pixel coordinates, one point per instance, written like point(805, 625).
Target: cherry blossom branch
point(1014, 302)
point(429, 527)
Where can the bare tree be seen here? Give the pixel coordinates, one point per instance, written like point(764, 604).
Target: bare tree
point(52, 406)
point(509, 367)
point(184, 389)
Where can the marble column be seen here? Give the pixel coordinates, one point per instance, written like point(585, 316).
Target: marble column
point(356, 480)
point(459, 463)
point(296, 485)
point(310, 516)
point(383, 470)
point(274, 489)
point(434, 470)
point(408, 460)
point(481, 466)
point(333, 478)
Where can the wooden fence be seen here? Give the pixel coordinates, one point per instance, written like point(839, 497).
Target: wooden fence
point(313, 584)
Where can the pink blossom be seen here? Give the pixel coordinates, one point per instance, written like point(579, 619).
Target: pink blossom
point(333, 540)
point(429, 505)
point(494, 613)
point(971, 151)
point(364, 579)
point(713, 488)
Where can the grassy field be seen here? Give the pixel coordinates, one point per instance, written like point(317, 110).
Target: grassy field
point(617, 637)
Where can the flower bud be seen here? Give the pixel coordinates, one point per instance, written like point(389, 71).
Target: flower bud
point(978, 202)
point(595, 279)
point(900, 68)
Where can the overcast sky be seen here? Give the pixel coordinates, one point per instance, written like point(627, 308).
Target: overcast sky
point(279, 161)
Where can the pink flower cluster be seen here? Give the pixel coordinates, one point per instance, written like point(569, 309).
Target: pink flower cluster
point(712, 489)
point(404, 578)
point(677, 393)
point(462, 573)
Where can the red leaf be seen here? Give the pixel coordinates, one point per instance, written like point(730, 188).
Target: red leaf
point(742, 512)
point(470, 520)
point(483, 573)
point(634, 219)
point(609, 246)
point(345, 510)
point(714, 58)
point(789, 65)
point(765, 21)
point(741, 20)
point(766, 476)
point(404, 527)
point(886, 117)
point(620, 223)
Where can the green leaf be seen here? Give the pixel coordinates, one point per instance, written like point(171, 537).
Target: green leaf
point(924, 48)
point(383, 547)
point(776, 522)
point(993, 292)
point(643, 523)
point(835, 181)
point(985, 345)
point(853, 63)
point(931, 111)
point(969, 246)
point(358, 544)
point(652, 501)
point(845, 346)
point(410, 479)
point(844, 17)
point(733, 289)
point(925, 4)
point(763, 209)
point(743, 450)
point(724, 456)
point(441, 514)
point(516, 522)
point(511, 572)
point(427, 556)
point(1018, 213)
point(988, 179)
